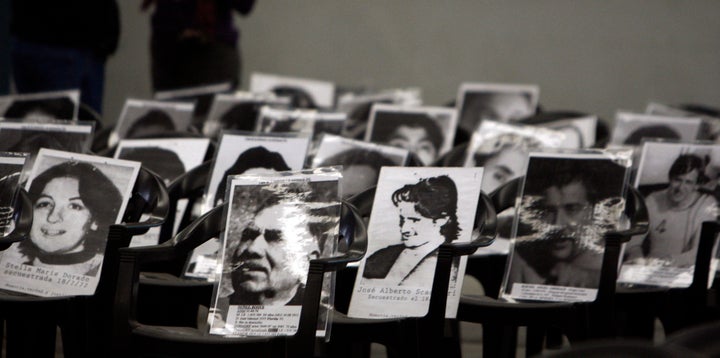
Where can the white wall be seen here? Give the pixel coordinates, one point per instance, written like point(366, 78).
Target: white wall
point(595, 56)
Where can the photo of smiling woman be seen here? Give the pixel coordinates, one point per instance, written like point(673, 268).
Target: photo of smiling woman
point(70, 218)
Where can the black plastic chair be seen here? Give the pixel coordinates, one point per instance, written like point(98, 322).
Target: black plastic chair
point(677, 308)
point(84, 320)
point(405, 337)
point(22, 218)
point(701, 339)
point(133, 337)
point(620, 348)
point(500, 319)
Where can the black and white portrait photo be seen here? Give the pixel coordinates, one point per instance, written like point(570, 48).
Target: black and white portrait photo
point(167, 157)
point(144, 119)
point(415, 211)
point(579, 132)
point(426, 131)
point(238, 111)
point(357, 106)
point(29, 137)
point(710, 128)
point(303, 92)
point(502, 149)
point(679, 181)
point(276, 120)
point(252, 154)
point(361, 161)
point(43, 106)
point(568, 202)
point(76, 198)
point(274, 228)
point(500, 102)
point(632, 128)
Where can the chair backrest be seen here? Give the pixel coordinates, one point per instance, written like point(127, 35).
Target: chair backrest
point(190, 186)
point(701, 339)
point(211, 225)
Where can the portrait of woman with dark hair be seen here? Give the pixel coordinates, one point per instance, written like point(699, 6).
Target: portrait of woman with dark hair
point(361, 168)
point(416, 132)
point(161, 161)
point(653, 131)
point(241, 116)
point(47, 108)
point(299, 97)
point(256, 160)
point(427, 214)
point(153, 122)
point(74, 204)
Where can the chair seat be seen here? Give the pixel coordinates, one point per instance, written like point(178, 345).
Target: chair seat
point(192, 335)
point(166, 279)
point(511, 313)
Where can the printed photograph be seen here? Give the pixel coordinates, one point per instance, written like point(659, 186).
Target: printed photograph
point(169, 158)
point(238, 111)
point(143, 119)
point(357, 107)
point(250, 153)
point(361, 161)
point(502, 149)
point(679, 182)
point(275, 226)
point(275, 120)
point(29, 137)
point(428, 132)
point(632, 128)
point(568, 202)
point(302, 92)
point(499, 102)
point(76, 198)
point(41, 106)
point(414, 212)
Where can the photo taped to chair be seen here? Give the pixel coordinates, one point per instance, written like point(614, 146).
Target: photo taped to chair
point(415, 210)
point(274, 226)
point(75, 198)
point(632, 128)
point(428, 132)
point(169, 158)
point(42, 106)
point(502, 149)
point(29, 137)
point(238, 111)
point(679, 182)
point(493, 101)
point(361, 161)
point(303, 92)
point(145, 119)
point(243, 153)
point(569, 200)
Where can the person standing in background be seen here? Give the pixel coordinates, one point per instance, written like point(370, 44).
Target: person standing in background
point(194, 42)
point(59, 45)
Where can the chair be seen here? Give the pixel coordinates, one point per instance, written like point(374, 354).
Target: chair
point(135, 337)
point(701, 339)
point(423, 336)
point(501, 319)
point(83, 320)
point(677, 308)
point(22, 218)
